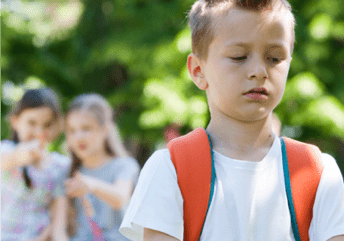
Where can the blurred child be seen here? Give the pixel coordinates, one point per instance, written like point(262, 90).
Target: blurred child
point(241, 54)
point(103, 174)
point(31, 177)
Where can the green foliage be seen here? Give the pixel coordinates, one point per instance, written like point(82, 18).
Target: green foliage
point(134, 53)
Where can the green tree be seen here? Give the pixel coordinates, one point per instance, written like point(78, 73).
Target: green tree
point(134, 53)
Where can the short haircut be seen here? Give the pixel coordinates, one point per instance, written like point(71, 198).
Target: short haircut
point(203, 26)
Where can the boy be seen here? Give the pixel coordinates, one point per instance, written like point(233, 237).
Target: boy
point(241, 56)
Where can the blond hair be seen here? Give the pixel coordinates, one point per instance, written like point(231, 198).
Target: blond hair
point(203, 25)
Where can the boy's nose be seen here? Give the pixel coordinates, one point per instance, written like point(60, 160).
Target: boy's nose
point(257, 71)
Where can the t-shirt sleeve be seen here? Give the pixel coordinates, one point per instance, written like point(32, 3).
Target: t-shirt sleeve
point(328, 210)
point(62, 166)
point(127, 169)
point(157, 201)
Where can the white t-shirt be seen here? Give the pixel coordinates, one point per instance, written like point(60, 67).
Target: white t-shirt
point(249, 201)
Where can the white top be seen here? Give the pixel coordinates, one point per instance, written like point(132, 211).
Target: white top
point(249, 201)
point(25, 213)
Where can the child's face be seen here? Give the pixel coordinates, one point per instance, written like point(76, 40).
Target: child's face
point(85, 136)
point(249, 50)
point(34, 123)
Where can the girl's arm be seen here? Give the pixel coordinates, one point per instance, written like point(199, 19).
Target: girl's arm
point(59, 219)
point(115, 194)
point(24, 154)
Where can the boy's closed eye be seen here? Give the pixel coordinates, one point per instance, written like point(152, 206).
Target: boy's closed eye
point(276, 55)
point(274, 60)
point(236, 53)
point(241, 58)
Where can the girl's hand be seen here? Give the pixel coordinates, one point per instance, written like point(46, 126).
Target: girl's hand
point(78, 186)
point(28, 152)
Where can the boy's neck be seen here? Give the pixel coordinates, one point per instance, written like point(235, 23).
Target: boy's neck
point(248, 141)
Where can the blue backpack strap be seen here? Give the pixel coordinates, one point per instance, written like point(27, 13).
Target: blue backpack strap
point(288, 190)
point(213, 176)
point(302, 167)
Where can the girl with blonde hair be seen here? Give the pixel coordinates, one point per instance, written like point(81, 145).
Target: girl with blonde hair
point(102, 174)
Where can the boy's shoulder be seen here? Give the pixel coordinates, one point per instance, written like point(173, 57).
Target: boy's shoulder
point(192, 139)
point(158, 166)
point(159, 157)
point(329, 162)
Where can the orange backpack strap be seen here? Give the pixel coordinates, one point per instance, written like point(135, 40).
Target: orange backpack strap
point(192, 158)
point(302, 172)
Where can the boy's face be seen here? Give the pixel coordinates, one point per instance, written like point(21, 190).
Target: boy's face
point(250, 53)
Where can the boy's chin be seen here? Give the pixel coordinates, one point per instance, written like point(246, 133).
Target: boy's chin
point(244, 114)
point(253, 116)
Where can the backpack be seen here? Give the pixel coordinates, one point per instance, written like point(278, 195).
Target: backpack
point(192, 157)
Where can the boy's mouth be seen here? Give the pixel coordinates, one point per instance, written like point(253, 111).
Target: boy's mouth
point(260, 90)
point(257, 93)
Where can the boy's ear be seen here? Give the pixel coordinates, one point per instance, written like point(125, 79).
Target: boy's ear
point(196, 72)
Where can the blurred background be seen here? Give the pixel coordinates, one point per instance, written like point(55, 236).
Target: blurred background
point(134, 53)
